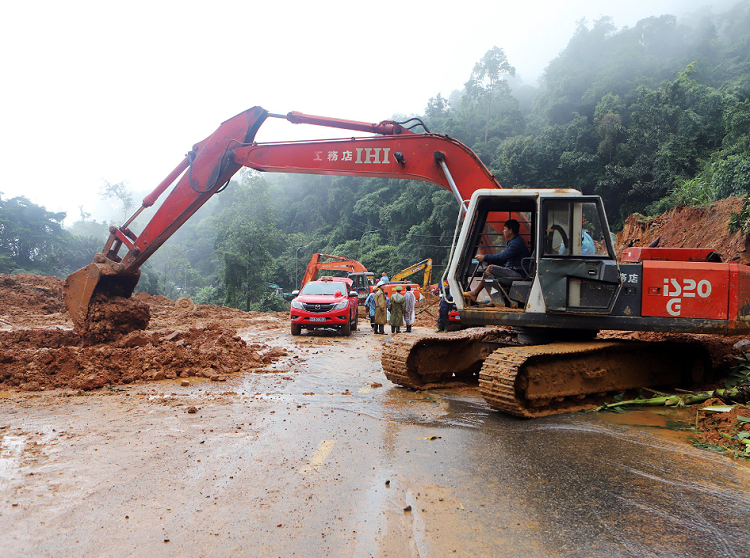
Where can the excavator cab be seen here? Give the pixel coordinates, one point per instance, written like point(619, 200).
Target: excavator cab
point(362, 282)
point(572, 268)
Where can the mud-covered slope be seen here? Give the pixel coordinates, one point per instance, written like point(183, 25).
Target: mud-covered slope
point(689, 227)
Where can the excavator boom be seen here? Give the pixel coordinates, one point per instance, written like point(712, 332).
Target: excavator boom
point(396, 152)
point(339, 263)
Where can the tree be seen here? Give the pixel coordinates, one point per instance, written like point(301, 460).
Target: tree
point(173, 270)
point(487, 78)
point(247, 239)
point(121, 193)
point(31, 238)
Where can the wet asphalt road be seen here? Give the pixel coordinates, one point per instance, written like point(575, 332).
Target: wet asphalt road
point(315, 461)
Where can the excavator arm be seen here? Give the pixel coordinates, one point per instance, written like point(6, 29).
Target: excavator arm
point(395, 152)
point(415, 268)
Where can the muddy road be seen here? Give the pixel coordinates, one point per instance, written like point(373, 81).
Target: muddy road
point(318, 454)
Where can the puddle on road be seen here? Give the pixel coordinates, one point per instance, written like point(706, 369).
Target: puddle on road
point(669, 423)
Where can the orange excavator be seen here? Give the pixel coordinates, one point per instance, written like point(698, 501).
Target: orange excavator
point(545, 359)
point(393, 151)
point(363, 280)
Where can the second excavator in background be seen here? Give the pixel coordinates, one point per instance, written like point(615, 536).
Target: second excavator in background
point(424, 265)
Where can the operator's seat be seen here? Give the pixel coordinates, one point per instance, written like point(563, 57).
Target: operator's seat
point(512, 292)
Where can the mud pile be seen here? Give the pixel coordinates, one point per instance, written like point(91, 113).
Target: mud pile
point(721, 430)
point(39, 349)
point(28, 300)
point(110, 318)
point(427, 311)
point(32, 360)
point(166, 313)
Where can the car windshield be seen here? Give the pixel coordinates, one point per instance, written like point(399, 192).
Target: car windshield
point(327, 288)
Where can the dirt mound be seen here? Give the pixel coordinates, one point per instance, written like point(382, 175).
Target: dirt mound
point(721, 429)
point(39, 350)
point(427, 311)
point(689, 227)
point(44, 359)
point(166, 313)
point(23, 294)
point(110, 318)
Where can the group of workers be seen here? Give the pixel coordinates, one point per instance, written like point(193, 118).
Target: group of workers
point(401, 307)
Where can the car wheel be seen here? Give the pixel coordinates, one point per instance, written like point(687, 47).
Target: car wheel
point(356, 321)
point(296, 329)
point(346, 329)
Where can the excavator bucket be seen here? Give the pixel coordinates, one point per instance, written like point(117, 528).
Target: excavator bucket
point(102, 276)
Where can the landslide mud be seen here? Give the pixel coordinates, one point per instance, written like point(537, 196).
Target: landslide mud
point(32, 360)
point(110, 318)
point(140, 339)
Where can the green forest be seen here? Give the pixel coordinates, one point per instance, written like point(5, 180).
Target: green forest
point(648, 117)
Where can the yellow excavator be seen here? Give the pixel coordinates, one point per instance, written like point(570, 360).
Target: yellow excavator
point(425, 265)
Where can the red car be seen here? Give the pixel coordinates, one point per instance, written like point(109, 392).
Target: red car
point(329, 302)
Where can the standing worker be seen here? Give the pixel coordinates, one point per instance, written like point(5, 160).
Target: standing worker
point(370, 305)
point(446, 305)
point(397, 310)
point(380, 310)
point(410, 301)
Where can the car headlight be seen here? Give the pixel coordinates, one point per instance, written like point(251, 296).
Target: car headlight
point(298, 305)
point(341, 305)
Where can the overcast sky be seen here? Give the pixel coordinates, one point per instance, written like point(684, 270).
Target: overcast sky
point(98, 90)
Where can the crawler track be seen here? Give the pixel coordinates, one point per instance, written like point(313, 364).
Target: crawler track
point(441, 359)
point(541, 380)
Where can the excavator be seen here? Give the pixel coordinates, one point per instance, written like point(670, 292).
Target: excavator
point(425, 265)
point(363, 280)
point(545, 360)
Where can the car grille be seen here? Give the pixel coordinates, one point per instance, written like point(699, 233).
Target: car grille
point(318, 307)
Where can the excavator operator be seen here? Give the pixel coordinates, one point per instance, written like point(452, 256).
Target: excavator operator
point(505, 264)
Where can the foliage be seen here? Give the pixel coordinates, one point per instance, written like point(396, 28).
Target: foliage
point(740, 372)
point(486, 80)
point(32, 239)
point(247, 239)
point(741, 221)
point(120, 192)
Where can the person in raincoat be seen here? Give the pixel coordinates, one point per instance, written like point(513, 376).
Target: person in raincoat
point(397, 310)
point(446, 305)
point(381, 303)
point(370, 305)
point(410, 301)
